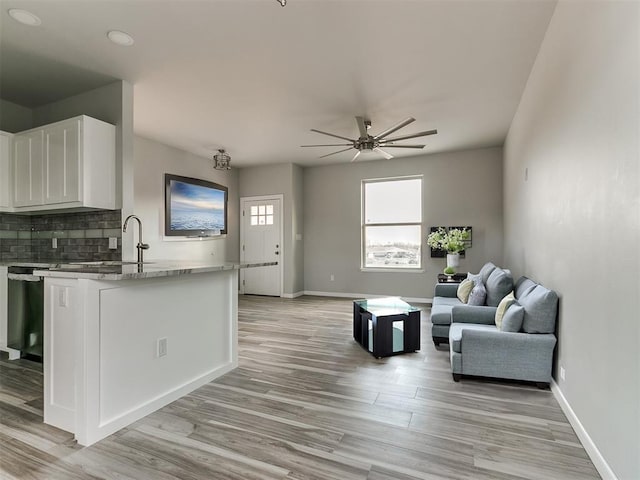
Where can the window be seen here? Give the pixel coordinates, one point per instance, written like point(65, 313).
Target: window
point(392, 223)
point(262, 215)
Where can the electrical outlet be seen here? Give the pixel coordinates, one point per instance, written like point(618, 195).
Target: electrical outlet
point(162, 347)
point(113, 243)
point(562, 373)
point(332, 277)
point(54, 242)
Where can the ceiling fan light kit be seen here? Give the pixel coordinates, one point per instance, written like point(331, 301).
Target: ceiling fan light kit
point(370, 143)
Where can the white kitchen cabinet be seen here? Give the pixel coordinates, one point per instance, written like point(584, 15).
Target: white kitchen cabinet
point(26, 164)
point(62, 166)
point(5, 171)
point(73, 167)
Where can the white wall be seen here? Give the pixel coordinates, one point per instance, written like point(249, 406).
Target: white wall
point(152, 161)
point(285, 179)
point(14, 118)
point(574, 224)
point(459, 188)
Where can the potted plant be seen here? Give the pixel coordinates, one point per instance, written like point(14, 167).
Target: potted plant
point(451, 241)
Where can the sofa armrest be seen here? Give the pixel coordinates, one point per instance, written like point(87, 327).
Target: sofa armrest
point(473, 314)
point(446, 290)
point(523, 356)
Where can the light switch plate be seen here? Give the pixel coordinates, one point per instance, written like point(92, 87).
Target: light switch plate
point(54, 242)
point(113, 243)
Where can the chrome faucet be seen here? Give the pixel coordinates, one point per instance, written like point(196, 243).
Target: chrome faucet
point(141, 246)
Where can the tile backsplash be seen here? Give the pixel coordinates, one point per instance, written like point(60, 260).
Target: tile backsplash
point(80, 236)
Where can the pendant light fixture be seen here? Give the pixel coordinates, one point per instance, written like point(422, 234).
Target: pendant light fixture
point(222, 160)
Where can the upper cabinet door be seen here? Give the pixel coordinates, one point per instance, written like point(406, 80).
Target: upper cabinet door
point(27, 169)
point(62, 162)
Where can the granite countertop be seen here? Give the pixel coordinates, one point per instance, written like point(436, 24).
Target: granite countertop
point(132, 270)
point(46, 263)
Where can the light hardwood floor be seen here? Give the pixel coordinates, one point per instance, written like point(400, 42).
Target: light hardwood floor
point(307, 402)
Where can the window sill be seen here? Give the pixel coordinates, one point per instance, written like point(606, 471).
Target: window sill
point(391, 270)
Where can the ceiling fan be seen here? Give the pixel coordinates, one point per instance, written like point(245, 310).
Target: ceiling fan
point(369, 143)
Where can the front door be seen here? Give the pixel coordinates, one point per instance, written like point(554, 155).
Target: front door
point(261, 240)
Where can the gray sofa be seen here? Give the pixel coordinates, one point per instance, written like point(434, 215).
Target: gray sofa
point(498, 282)
point(478, 347)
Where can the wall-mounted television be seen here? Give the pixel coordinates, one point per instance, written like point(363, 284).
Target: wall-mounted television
point(194, 207)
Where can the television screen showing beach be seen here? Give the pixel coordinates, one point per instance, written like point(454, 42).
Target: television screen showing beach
point(194, 207)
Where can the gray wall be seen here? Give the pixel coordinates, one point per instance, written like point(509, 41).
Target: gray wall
point(459, 188)
point(14, 118)
point(574, 224)
point(285, 179)
point(152, 161)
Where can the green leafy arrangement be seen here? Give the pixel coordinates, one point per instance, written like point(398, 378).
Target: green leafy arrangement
point(452, 241)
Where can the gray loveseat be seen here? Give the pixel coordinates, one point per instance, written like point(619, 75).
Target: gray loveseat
point(498, 282)
point(478, 347)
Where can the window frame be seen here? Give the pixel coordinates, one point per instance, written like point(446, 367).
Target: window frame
point(419, 268)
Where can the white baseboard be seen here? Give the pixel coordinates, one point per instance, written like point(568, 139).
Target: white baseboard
point(292, 295)
point(592, 450)
point(363, 295)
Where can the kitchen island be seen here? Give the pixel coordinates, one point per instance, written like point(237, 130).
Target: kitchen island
point(124, 339)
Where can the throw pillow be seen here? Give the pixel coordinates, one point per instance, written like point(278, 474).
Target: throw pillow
point(478, 294)
point(513, 318)
point(502, 308)
point(464, 289)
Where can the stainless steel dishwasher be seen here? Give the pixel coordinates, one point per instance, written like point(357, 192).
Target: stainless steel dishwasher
point(25, 311)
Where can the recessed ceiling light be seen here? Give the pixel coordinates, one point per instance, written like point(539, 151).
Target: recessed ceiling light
point(120, 38)
point(22, 16)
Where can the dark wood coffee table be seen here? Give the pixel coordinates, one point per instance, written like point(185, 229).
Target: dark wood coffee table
point(386, 326)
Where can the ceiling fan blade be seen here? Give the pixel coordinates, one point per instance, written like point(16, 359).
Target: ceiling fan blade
point(329, 145)
point(362, 127)
point(356, 156)
point(383, 153)
point(412, 135)
point(403, 123)
point(391, 145)
point(339, 151)
point(332, 135)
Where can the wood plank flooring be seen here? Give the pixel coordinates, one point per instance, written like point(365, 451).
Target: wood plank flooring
point(307, 402)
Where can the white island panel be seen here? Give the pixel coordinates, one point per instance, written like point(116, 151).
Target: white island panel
point(119, 376)
point(135, 316)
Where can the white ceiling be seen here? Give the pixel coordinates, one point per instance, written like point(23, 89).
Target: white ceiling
point(254, 77)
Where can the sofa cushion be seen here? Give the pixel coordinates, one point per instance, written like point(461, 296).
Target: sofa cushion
point(455, 333)
point(502, 308)
point(441, 314)
point(478, 295)
point(485, 271)
point(464, 289)
point(499, 284)
point(523, 286)
point(513, 318)
point(540, 309)
point(446, 301)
